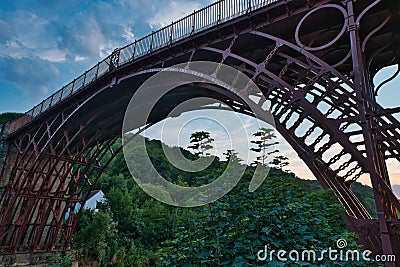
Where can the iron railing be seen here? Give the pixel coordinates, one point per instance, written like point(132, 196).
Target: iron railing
point(199, 20)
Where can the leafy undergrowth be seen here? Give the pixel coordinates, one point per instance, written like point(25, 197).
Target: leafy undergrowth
point(285, 213)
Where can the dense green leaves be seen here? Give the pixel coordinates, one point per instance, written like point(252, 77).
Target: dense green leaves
point(133, 229)
point(91, 236)
point(279, 214)
point(7, 117)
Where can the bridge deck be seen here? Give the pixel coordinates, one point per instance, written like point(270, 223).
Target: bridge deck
point(201, 20)
point(214, 16)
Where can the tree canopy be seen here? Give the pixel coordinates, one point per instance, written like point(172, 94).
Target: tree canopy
point(133, 229)
point(9, 116)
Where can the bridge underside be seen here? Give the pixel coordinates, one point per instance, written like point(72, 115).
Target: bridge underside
point(314, 62)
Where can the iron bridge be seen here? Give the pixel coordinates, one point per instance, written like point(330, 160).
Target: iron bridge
point(314, 61)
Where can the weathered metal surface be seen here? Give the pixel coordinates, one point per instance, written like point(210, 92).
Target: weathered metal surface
point(3, 144)
point(314, 62)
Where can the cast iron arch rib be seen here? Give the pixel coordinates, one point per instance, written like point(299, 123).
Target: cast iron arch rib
point(54, 150)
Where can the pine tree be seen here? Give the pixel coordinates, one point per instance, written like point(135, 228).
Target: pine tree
point(201, 142)
point(264, 141)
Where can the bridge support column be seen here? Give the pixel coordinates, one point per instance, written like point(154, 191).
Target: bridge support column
point(387, 212)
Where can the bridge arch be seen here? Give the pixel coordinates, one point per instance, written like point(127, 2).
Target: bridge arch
point(318, 104)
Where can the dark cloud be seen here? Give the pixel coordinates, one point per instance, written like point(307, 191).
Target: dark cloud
point(31, 75)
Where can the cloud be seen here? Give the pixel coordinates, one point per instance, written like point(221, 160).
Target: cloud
point(53, 55)
point(32, 30)
point(128, 35)
point(83, 30)
point(173, 11)
point(94, 34)
point(45, 44)
point(31, 75)
point(132, 3)
point(29, 35)
point(82, 39)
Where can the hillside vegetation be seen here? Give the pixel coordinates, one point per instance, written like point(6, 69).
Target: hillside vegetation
point(7, 117)
point(133, 229)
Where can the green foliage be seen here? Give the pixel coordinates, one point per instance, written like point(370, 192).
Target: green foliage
point(133, 229)
point(232, 230)
point(60, 260)
point(139, 223)
point(201, 143)
point(363, 192)
point(366, 196)
point(264, 139)
point(279, 162)
point(9, 116)
point(91, 236)
point(232, 156)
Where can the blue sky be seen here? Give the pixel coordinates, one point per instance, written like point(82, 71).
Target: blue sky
point(45, 44)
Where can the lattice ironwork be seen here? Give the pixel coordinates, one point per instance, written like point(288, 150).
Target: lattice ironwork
point(317, 79)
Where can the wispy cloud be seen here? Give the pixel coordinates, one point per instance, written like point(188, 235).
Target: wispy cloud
point(31, 75)
point(82, 39)
point(60, 38)
point(172, 11)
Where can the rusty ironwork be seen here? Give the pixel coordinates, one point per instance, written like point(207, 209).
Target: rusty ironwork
point(314, 61)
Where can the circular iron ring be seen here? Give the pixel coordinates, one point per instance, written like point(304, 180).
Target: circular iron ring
point(342, 31)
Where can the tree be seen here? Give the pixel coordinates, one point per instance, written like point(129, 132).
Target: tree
point(280, 214)
point(265, 139)
point(7, 117)
point(232, 156)
point(91, 236)
point(279, 162)
point(201, 143)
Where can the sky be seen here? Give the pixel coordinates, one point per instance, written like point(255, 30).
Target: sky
point(45, 44)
